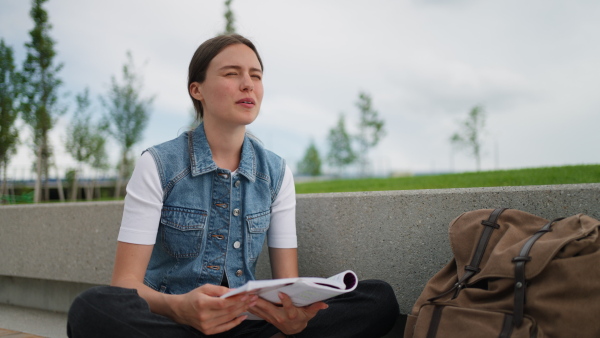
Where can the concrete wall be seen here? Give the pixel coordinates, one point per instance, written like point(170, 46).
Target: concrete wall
point(52, 251)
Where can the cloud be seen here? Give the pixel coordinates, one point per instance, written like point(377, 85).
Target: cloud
point(533, 66)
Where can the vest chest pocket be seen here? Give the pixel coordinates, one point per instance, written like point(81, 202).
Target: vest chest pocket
point(182, 231)
point(258, 224)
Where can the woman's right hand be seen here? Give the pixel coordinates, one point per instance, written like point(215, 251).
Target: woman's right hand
point(200, 308)
point(203, 309)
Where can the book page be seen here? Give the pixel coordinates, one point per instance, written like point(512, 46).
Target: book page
point(303, 291)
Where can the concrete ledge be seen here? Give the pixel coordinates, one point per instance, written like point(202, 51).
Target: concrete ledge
point(33, 321)
point(401, 236)
point(72, 242)
point(396, 236)
point(49, 295)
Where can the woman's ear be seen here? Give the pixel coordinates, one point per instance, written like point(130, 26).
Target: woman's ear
point(195, 91)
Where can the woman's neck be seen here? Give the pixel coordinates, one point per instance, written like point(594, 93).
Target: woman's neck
point(225, 144)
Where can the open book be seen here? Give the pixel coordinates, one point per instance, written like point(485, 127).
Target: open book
point(302, 290)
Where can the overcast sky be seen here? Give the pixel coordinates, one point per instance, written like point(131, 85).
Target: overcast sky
point(533, 65)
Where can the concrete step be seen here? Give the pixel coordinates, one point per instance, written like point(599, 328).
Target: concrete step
point(22, 322)
point(16, 334)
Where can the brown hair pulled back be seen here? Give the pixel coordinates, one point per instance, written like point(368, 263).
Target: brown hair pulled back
point(204, 55)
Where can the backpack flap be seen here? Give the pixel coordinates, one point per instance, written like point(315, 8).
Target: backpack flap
point(508, 244)
point(523, 247)
point(564, 295)
point(514, 228)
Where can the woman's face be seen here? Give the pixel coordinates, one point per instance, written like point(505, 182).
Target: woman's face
point(232, 91)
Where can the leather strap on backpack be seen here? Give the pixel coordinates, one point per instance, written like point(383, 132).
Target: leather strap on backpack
point(520, 280)
point(436, 317)
point(473, 268)
point(507, 326)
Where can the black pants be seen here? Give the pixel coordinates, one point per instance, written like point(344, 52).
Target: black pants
point(369, 311)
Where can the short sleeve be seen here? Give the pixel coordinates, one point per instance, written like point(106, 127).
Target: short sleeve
point(143, 204)
point(282, 231)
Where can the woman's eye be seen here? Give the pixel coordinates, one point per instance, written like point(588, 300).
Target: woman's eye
point(258, 77)
point(230, 74)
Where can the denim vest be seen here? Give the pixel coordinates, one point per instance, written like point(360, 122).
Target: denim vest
point(213, 223)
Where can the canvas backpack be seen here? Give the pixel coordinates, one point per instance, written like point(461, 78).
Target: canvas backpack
point(514, 274)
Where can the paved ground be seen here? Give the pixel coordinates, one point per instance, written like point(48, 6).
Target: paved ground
point(38, 322)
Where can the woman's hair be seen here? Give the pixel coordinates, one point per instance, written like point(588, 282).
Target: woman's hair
point(205, 53)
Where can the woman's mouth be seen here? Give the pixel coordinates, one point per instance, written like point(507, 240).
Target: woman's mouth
point(246, 102)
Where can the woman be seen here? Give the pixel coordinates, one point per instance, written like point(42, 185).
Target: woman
point(197, 211)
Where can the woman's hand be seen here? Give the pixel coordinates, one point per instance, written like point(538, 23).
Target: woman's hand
point(205, 311)
point(201, 308)
point(288, 318)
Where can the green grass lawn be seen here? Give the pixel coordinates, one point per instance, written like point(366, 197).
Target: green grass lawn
point(534, 176)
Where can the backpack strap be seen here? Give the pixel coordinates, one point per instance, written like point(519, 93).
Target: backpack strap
point(473, 268)
point(507, 326)
point(520, 280)
point(434, 324)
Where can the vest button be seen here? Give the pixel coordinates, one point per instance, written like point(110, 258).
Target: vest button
point(237, 244)
point(236, 212)
point(239, 273)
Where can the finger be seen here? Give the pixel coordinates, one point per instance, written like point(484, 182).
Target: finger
point(227, 317)
point(286, 301)
point(319, 306)
point(235, 307)
point(216, 311)
point(266, 315)
point(265, 304)
point(243, 303)
point(314, 308)
point(288, 304)
point(214, 290)
point(224, 317)
point(291, 311)
point(266, 310)
point(260, 313)
point(218, 328)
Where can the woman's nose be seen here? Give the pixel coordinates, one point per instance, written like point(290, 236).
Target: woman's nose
point(247, 83)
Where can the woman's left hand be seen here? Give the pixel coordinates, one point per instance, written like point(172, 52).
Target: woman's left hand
point(288, 318)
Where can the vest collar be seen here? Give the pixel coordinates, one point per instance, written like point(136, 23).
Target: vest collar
point(201, 156)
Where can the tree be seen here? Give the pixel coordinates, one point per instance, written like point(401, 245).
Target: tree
point(40, 103)
point(370, 129)
point(127, 115)
point(469, 135)
point(85, 141)
point(311, 163)
point(229, 18)
point(340, 153)
point(10, 91)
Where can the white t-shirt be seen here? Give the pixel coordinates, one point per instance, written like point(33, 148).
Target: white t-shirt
point(143, 204)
